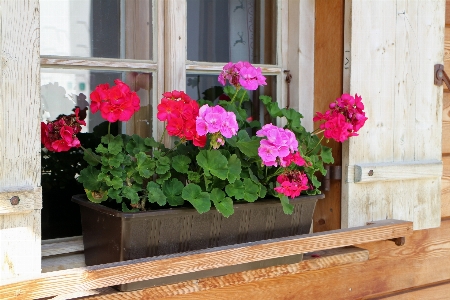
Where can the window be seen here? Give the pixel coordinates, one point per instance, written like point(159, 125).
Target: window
point(154, 46)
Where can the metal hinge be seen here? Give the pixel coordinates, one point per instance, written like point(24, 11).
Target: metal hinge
point(333, 173)
point(440, 76)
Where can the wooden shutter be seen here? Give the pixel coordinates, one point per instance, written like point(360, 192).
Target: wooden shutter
point(20, 153)
point(393, 168)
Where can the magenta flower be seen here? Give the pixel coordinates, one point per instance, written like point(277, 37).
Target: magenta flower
point(242, 74)
point(292, 183)
point(279, 139)
point(216, 120)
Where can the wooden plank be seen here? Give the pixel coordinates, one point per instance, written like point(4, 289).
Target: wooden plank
point(445, 188)
point(447, 50)
point(402, 170)
point(394, 62)
point(328, 58)
point(29, 199)
point(436, 291)
point(19, 133)
point(74, 280)
point(446, 123)
point(96, 63)
point(68, 245)
point(422, 260)
point(216, 68)
point(311, 261)
point(447, 12)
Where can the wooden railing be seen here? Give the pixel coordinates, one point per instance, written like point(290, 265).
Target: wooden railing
point(93, 280)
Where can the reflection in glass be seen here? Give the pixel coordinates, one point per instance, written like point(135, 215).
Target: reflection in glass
point(232, 30)
point(200, 86)
point(61, 91)
point(97, 28)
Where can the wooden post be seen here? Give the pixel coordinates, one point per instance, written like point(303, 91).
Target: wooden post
point(20, 229)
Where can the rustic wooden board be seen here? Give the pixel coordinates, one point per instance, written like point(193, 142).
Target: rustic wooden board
point(391, 69)
point(20, 133)
point(445, 200)
point(75, 280)
point(328, 58)
point(311, 261)
point(446, 123)
point(30, 198)
point(422, 260)
point(436, 291)
point(62, 262)
point(404, 170)
point(62, 246)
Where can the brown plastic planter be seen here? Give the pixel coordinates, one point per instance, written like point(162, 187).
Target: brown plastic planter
point(112, 236)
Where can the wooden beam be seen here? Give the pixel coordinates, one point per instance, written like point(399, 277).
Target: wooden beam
point(311, 261)
point(20, 199)
point(74, 280)
point(435, 291)
point(97, 63)
point(403, 170)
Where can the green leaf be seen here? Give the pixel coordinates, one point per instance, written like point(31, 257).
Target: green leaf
point(272, 107)
point(136, 144)
point(200, 200)
point(116, 160)
point(115, 145)
point(155, 194)
point(90, 157)
point(249, 148)
point(131, 194)
point(145, 165)
point(115, 194)
point(96, 197)
point(89, 178)
point(163, 177)
point(181, 163)
point(287, 207)
point(292, 116)
point(151, 142)
point(194, 177)
point(236, 190)
point(251, 190)
point(326, 155)
point(173, 189)
point(213, 162)
point(162, 165)
point(234, 168)
point(101, 149)
point(126, 209)
point(223, 204)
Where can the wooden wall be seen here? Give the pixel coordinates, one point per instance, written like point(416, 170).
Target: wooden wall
point(445, 211)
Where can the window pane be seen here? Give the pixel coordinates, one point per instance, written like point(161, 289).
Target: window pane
point(207, 87)
point(232, 30)
point(97, 28)
point(61, 91)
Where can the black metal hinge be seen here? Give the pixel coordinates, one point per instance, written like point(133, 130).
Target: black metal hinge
point(333, 173)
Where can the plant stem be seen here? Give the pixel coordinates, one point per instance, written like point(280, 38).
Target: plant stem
point(242, 98)
point(234, 97)
point(315, 146)
point(162, 135)
point(317, 131)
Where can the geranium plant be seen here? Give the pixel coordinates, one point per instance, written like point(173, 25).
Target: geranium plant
point(220, 156)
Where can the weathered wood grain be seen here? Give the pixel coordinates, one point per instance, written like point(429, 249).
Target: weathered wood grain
point(311, 261)
point(446, 123)
point(328, 58)
point(96, 63)
point(436, 291)
point(403, 170)
point(386, 66)
point(62, 262)
point(422, 260)
point(29, 199)
point(75, 280)
point(19, 133)
point(445, 188)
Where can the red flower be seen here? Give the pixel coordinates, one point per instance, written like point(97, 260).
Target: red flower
point(292, 183)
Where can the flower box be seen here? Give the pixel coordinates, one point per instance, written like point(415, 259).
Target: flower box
point(112, 236)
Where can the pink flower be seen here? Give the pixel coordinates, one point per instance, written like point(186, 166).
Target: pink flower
point(292, 158)
point(242, 74)
point(216, 120)
point(283, 140)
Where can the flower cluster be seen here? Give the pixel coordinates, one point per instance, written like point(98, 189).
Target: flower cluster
point(60, 135)
point(292, 183)
point(279, 143)
point(344, 119)
point(218, 121)
point(242, 74)
point(118, 103)
point(180, 112)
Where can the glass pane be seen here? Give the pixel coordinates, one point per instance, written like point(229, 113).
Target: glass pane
point(207, 87)
point(61, 91)
point(97, 28)
point(232, 30)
